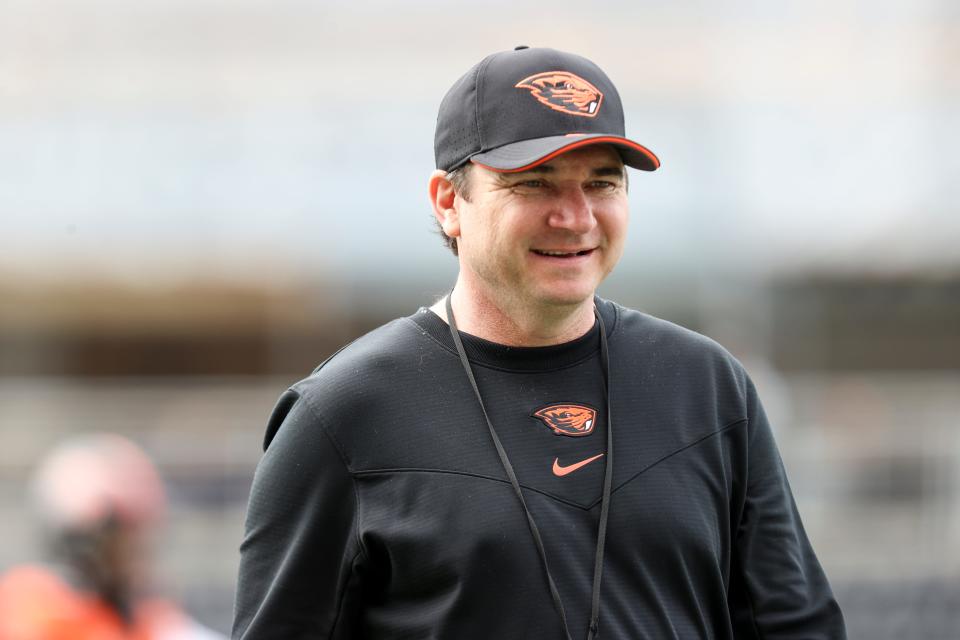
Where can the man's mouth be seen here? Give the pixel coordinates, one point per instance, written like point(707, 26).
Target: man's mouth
point(562, 254)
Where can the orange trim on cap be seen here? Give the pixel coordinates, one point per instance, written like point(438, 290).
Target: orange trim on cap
point(576, 145)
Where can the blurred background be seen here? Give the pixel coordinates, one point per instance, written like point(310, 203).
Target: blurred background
point(201, 200)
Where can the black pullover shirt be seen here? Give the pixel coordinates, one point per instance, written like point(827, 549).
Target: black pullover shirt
point(381, 510)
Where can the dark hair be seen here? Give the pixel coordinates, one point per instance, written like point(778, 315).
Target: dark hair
point(460, 179)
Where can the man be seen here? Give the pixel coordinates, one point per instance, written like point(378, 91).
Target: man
point(524, 459)
point(99, 498)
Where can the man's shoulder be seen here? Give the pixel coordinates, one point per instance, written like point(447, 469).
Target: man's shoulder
point(649, 329)
point(661, 341)
point(368, 375)
point(392, 363)
point(368, 359)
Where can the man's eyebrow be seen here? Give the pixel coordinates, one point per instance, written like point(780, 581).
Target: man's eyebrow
point(541, 168)
point(609, 171)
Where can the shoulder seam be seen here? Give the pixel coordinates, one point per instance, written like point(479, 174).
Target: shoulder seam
point(338, 447)
point(332, 356)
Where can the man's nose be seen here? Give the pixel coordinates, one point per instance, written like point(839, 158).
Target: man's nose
point(573, 211)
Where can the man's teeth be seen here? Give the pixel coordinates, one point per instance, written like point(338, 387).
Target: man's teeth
point(557, 253)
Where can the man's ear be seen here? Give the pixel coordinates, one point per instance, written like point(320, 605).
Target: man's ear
point(443, 198)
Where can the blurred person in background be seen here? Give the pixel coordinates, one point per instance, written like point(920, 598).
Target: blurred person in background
point(99, 499)
point(430, 483)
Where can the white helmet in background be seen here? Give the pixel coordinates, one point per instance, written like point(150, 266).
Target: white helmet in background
point(92, 478)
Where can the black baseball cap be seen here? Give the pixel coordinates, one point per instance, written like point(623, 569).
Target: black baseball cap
point(517, 109)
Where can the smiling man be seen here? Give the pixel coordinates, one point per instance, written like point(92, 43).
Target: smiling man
point(535, 244)
point(525, 459)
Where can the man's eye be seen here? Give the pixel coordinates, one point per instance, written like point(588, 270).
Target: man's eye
point(530, 183)
point(603, 184)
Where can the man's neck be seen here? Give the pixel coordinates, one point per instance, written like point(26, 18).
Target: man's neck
point(516, 325)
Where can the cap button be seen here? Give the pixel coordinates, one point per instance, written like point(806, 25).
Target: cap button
point(520, 46)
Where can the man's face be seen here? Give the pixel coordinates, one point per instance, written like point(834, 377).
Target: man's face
point(546, 236)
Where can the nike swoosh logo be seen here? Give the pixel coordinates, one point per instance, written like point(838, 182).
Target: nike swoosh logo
point(562, 471)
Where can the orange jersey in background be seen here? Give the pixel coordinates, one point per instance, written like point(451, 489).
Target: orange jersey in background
point(36, 604)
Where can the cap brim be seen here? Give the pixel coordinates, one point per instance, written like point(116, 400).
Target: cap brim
point(526, 154)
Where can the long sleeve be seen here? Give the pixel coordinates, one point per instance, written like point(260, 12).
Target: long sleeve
point(299, 557)
point(778, 589)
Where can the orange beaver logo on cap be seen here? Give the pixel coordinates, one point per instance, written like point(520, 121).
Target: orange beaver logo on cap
point(564, 91)
point(568, 419)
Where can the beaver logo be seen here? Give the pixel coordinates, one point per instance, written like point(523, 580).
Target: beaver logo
point(564, 91)
point(568, 419)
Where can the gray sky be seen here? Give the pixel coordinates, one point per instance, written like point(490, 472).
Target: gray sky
point(256, 139)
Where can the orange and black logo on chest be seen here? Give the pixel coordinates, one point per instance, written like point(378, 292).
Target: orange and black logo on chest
point(567, 419)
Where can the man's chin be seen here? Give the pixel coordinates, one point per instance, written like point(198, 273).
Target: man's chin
point(566, 297)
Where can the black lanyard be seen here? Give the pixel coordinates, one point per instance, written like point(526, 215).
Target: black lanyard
point(593, 630)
